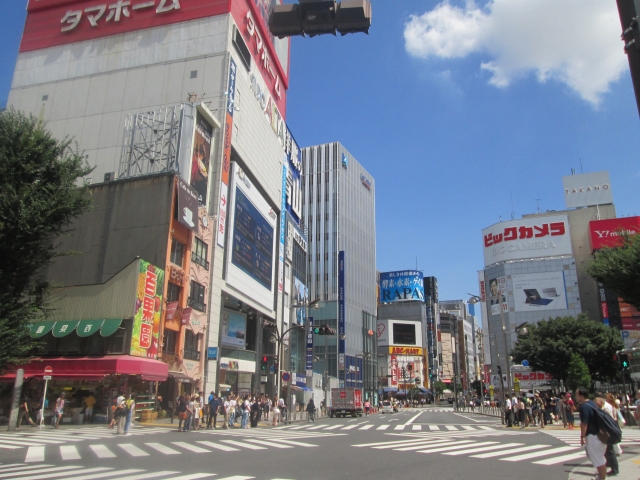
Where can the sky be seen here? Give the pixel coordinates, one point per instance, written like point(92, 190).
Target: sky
point(464, 112)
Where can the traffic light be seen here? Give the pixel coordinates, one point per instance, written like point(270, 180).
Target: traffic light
point(431, 375)
point(624, 361)
point(323, 330)
point(263, 363)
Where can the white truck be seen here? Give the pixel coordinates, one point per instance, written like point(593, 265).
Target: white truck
point(346, 401)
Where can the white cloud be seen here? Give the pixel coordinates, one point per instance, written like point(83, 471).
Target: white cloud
point(576, 42)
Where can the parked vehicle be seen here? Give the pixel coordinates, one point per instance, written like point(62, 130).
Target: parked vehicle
point(346, 401)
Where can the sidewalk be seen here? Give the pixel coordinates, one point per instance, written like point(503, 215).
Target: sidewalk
point(629, 469)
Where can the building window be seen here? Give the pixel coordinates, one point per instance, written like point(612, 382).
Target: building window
point(191, 349)
point(173, 292)
point(287, 270)
point(170, 341)
point(241, 48)
point(286, 300)
point(200, 253)
point(196, 297)
point(404, 333)
point(177, 253)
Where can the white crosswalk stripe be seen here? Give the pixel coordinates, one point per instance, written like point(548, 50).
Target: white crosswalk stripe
point(481, 444)
point(572, 437)
point(20, 471)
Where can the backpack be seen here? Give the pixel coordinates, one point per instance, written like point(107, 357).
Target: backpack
point(609, 431)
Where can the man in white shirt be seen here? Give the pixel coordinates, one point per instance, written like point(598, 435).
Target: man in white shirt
point(232, 410)
point(226, 405)
point(508, 413)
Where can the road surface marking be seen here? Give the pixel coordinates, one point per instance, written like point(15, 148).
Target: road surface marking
point(218, 446)
point(69, 452)
point(485, 449)
point(561, 459)
point(510, 452)
point(192, 448)
point(163, 448)
point(245, 445)
point(133, 450)
point(538, 454)
point(458, 447)
point(35, 454)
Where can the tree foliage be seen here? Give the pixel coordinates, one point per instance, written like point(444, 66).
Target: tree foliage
point(550, 344)
point(619, 268)
point(39, 196)
point(439, 387)
point(578, 373)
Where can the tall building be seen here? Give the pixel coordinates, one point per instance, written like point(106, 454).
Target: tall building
point(338, 214)
point(466, 339)
point(535, 267)
point(196, 90)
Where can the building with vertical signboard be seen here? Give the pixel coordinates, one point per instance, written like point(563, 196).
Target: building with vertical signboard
point(196, 89)
point(338, 213)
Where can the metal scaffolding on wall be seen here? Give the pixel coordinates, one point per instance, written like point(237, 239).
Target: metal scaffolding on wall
point(151, 142)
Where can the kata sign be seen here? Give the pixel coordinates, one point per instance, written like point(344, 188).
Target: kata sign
point(526, 238)
point(58, 22)
point(415, 351)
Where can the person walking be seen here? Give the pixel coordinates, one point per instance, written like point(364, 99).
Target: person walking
point(540, 410)
point(244, 407)
point(276, 412)
point(196, 412)
point(24, 412)
point(267, 408)
point(570, 407)
point(589, 428)
point(515, 410)
point(255, 412)
point(120, 414)
point(367, 407)
point(89, 402)
point(612, 452)
point(311, 410)
point(225, 411)
point(181, 410)
point(232, 410)
point(508, 413)
point(59, 410)
point(190, 412)
point(214, 407)
point(130, 405)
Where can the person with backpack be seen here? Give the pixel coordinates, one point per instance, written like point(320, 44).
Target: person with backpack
point(181, 410)
point(589, 428)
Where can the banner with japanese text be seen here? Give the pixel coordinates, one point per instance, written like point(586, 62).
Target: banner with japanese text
point(148, 309)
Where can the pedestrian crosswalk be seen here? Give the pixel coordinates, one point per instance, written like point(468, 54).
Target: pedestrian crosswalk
point(28, 438)
point(195, 444)
point(387, 426)
point(21, 471)
point(485, 445)
point(572, 437)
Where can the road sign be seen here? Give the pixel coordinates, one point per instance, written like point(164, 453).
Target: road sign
point(47, 377)
point(286, 376)
point(525, 363)
point(48, 370)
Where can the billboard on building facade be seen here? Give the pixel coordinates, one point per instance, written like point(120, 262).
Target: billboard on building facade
point(251, 261)
point(587, 189)
point(401, 286)
point(606, 233)
point(527, 238)
point(233, 329)
point(539, 291)
point(201, 157)
point(148, 310)
point(199, 269)
point(497, 295)
point(187, 206)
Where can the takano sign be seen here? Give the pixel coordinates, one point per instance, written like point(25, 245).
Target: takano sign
point(526, 238)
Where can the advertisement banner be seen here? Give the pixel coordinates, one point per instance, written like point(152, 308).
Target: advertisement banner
point(200, 160)
point(283, 220)
point(341, 315)
point(411, 351)
point(383, 333)
point(148, 309)
point(234, 330)
point(630, 338)
point(497, 295)
point(226, 153)
point(402, 286)
point(394, 370)
point(539, 291)
point(526, 238)
point(587, 189)
point(627, 310)
point(200, 262)
point(309, 358)
point(59, 22)
point(606, 233)
point(187, 206)
point(170, 310)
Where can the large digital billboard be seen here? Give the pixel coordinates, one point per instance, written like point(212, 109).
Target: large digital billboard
point(401, 286)
point(527, 238)
point(539, 291)
point(251, 262)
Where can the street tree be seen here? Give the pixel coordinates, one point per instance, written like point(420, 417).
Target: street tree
point(40, 193)
point(619, 268)
point(550, 344)
point(578, 373)
point(439, 387)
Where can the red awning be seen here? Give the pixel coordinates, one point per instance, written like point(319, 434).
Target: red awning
point(93, 368)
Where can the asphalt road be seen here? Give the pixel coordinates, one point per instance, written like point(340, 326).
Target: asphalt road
point(415, 443)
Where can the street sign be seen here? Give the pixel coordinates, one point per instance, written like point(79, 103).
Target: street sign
point(525, 363)
point(48, 370)
point(286, 376)
point(47, 377)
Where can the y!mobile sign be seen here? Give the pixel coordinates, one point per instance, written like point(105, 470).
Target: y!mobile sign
point(526, 238)
point(607, 233)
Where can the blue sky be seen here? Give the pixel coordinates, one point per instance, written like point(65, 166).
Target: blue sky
point(455, 107)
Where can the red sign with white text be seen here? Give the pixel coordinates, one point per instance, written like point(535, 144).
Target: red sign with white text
point(606, 233)
point(58, 22)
